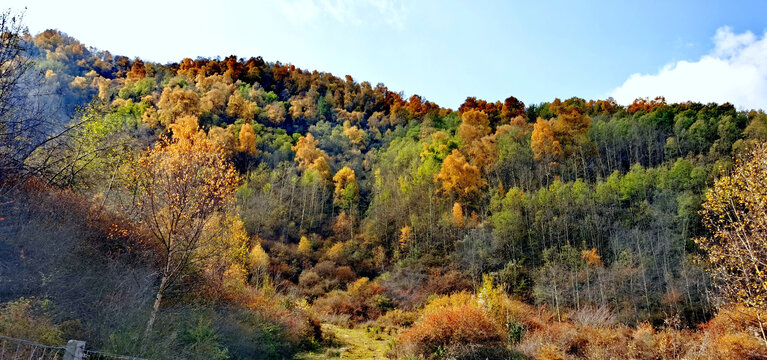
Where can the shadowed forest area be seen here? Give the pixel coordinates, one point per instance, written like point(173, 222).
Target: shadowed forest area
point(249, 209)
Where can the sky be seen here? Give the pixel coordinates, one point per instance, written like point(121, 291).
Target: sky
point(447, 50)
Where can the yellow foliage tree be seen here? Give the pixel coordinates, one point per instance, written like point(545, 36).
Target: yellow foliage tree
point(223, 138)
point(137, 71)
point(258, 264)
point(180, 185)
point(545, 147)
point(275, 112)
point(355, 134)
point(405, 237)
point(310, 157)
point(336, 252)
point(224, 252)
point(247, 140)
point(176, 103)
point(458, 216)
point(483, 152)
point(304, 246)
point(186, 128)
point(592, 257)
point(347, 192)
point(459, 177)
point(735, 211)
point(478, 142)
point(234, 279)
point(570, 126)
point(241, 108)
point(475, 124)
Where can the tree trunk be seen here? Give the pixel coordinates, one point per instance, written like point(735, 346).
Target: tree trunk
point(155, 309)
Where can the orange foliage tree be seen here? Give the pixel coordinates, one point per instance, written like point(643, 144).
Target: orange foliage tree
point(247, 139)
point(479, 143)
point(543, 143)
point(474, 125)
point(644, 104)
point(459, 177)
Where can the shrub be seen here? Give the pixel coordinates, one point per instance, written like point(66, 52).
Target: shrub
point(201, 341)
point(596, 316)
point(28, 319)
point(325, 269)
point(449, 328)
point(412, 287)
point(732, 333)
point(398, 318)
point(308, 279)
point(362, 301)
point(345, 274)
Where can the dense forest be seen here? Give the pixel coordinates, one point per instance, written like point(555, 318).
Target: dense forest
point(242, 208)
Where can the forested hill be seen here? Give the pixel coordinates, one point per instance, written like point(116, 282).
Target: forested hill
point(571, 204)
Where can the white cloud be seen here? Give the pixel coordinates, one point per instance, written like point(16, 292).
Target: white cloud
point(392, 12)
point(734, 71)
point(300, 10)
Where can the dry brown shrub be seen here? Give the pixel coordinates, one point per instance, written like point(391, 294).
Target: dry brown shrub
point(734, 333)
point(551, 352)
point(361, 302)
point(345, 274)
point(308, 279)
point(325, 269)
point(529, 316)
point(594, 316)
point(398, 318)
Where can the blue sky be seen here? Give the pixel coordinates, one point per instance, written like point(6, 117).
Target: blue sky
point(448, 50)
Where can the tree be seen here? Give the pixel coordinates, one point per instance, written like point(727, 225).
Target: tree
point(459, 177)
point(478, 143)
point(347, 192)
point(304, 246)
point(512, 108)
point(27, 116)
point(180, 185)
point(240, 108)
point(259, 265)
point(735, 212)
point(176, 103)
point(247, 139)
point(405, 238)
point(545, 147)
point(224, 138)
point(310, 157)
point(474, 125)
point(458, 217)
point(137, 71)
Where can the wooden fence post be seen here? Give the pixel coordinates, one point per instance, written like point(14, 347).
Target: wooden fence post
point(75, 350)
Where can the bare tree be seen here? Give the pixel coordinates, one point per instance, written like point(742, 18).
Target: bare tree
point(24, 125)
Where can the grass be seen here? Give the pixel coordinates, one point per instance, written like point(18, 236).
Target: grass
point(357, 343)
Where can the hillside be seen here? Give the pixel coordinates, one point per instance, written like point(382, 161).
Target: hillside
point(499, 229)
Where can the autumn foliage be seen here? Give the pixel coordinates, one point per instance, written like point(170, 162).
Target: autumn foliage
point(452, 327)
point(181, 184)
point(735, 212)
point(261, 199)
point(459, 177)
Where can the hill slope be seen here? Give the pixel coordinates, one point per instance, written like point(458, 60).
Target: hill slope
point(364, 201)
